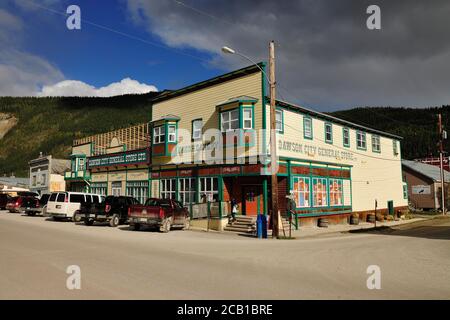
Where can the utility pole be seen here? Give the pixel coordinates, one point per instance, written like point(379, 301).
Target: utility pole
point(441, 162)
point(273, 140)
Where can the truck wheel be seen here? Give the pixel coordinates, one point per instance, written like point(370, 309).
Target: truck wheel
point(165, 227)
point(76, 217)
point(136, 227)
point(187, 224)
point(114, 222)
point(88, 222)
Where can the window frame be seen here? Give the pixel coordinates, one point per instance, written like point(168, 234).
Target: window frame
point(395, 148)
point(363, 135)
point(194, 130)
point(324, 190)
point(330, 193)
point(157, 137)
point(298, 193)
point(310, 121)
point(211, 192)
point(373, 139)
point(328, 125)
point(171, 192)
point(229, 121)
point(174, 133)
point(344, 130)
point(281, 130)
point(244, 109)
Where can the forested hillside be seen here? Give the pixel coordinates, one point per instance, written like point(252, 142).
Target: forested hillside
point(50, 124)
point(418, 127)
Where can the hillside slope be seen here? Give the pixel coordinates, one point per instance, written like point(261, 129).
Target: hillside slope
point(418, 127)
point(50, 124)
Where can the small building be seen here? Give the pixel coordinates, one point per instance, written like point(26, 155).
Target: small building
point(12, 185)
point(47, 174)
point(435, 161)
point(424, 184)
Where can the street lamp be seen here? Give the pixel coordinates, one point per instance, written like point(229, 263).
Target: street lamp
point(273, 147)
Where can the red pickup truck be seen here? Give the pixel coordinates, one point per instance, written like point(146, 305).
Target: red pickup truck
point(160, 213)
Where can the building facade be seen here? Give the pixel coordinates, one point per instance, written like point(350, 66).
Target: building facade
point(210, 144)
point(47, 174)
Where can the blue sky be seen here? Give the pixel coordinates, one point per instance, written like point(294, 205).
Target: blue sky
point(99, 57)
point(327, 58)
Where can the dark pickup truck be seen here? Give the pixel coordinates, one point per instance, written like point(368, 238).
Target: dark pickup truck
point(113, 210)
point(33, 205)
point(160, 213)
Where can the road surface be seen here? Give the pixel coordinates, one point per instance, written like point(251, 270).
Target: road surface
point(123, 264)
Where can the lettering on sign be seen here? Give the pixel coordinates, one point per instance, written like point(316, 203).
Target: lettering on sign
point(128, 158)
point(313, 151)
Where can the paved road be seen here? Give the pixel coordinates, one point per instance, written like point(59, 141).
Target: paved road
point(123, 264)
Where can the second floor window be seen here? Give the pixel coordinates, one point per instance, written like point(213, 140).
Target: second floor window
point(307, 128)
point(279, 120)
point(248, 118)
point(376, 146)
point(328, 133)
point(197, 126)
point(346, 137)
point(81, 164)
point(361, 140)
point(394, 147)
point(159, 135)
point(229, 120)
point(172, 133)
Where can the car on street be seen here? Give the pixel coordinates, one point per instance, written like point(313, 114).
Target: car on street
point(35, 206)
point(15, 204)
point(66, 205)
point(159, 213)
point(4, 197)
point(113, 210)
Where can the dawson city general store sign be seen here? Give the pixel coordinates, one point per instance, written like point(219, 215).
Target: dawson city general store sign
point(313, 151)
point(120, 159)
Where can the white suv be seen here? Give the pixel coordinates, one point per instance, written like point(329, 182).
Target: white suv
point(62, 205)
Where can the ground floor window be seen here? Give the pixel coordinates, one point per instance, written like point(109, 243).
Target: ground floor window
point(167, 188)
point(320, 192)
point(100, 188)
point(336, 192)
point(209, 189)
point(186, 190)
point(116, 188)
point(138, 190)
point(301, 192)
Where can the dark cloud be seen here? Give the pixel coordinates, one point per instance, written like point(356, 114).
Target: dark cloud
point(326, 57)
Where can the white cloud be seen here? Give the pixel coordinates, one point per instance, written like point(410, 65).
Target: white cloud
point(22, 74)
point(81, 89)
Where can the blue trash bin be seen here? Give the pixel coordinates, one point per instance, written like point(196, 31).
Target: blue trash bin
point(259, 226)
point(264, 226)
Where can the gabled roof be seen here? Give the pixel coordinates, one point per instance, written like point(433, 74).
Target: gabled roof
point(427, 170)
point(169, 117)
point(167, 94)
point(238, 99)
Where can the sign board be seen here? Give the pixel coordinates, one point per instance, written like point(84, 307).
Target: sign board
point(421, 189)
point(118, 159)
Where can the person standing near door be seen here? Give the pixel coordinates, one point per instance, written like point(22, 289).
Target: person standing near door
point(234, 207)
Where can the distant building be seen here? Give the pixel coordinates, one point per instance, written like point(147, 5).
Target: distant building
point(424, 184)
point(434, 161)
point(13, 184)
point(47, 174)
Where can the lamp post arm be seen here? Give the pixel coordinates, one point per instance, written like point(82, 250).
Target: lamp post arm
point(245, 57)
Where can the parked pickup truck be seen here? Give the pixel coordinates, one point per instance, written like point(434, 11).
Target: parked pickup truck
point(113, 210)
point(33, 206)
point(160, 213)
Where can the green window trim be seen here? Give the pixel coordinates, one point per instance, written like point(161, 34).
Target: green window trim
point(328, 125)
point(364, 139)
point(310, 121)
point(279, 110)
point(374, 138)
point(405, 191)
point(346, 130)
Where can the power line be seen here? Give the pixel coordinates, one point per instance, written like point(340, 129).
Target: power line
point(124, 34)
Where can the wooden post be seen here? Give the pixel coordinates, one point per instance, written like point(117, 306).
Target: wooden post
point(273, 140)
point(441, 163)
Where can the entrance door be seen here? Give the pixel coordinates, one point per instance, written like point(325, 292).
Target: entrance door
point(252, 200)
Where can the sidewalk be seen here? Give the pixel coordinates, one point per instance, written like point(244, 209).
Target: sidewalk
point(312, 231)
